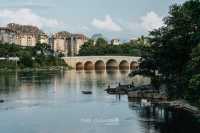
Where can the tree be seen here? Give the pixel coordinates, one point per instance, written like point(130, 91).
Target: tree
point(103, 48)
point(193, 66)
point(101, 42)
point(26, 60)
point(172, 44)
point(86, 48)
point(193, 76)
point(193, 92)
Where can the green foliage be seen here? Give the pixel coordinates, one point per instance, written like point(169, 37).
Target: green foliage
point(30, 57)
point(174, 50)
point(193, 92)
point(86, 49)
point(6, 64)
point(103, 48)
point(194, 64)
point(192, 76)
point(26, 60)
point(101, 43)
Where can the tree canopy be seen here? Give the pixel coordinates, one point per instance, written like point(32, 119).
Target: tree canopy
point(101, 47)
point(39, 56)
point(174, 50)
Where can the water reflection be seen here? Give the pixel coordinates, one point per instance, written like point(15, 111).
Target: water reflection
point(155, 119)
point(124, 71)
point(52, 102)
point(8, 82)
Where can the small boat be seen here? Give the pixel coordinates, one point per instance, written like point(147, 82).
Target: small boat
point(2, 101)
point(87, 92)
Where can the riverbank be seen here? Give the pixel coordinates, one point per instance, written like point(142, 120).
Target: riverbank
point(50, 68)
point(179, 106)
point(153, 97)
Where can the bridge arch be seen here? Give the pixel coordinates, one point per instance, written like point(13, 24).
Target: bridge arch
point(134, 65)
point(79, 66)
point(88, 65)
point(124, 65)
point(112, 64)
point(100, 65)
point(89, 62)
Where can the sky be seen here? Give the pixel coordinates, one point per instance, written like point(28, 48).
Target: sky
point(124, 19)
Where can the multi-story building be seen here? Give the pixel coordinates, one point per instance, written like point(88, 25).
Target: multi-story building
point(59, 42)
point(7, 35)
point(27, 35)
point(75, 43)
point(43, 38)
point(67, 44)
point(115, 42)
point(26, 39)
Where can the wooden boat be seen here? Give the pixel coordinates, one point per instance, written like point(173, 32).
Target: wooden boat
point(116, 91)
point(120, 89)
point(87, 92)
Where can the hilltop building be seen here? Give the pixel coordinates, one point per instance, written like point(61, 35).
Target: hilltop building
point(67, 43)
point(76, 41)
point(115, 42)
point(7, 35)
point(26, 39)
point(24, 28)
point(26, 35)
point(43, 38)
point(59, 43)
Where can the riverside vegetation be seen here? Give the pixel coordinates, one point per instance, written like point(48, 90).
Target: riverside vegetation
point(30, 58)
point(173, 57)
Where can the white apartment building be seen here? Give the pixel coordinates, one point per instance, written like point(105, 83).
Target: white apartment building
point(59, 42)
point(115, 42)
point(26, 39)
point(76, 41)
point(67, 44)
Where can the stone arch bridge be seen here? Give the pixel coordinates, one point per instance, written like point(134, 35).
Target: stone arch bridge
point(102, 62)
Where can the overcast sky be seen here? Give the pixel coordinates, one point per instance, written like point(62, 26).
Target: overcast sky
point(122, 19)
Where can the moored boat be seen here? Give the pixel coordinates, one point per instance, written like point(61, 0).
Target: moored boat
point(87, 92)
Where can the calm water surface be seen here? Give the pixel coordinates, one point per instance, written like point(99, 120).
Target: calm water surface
point(52, 102)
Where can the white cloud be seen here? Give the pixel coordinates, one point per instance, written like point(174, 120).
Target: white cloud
point(151, 21)
point(144, 24)
point(106, 24)
point(27, 17)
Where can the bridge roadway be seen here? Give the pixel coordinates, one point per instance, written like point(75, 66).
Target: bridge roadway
point(102, 62)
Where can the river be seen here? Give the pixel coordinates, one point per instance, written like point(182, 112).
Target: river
point(52, 102)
